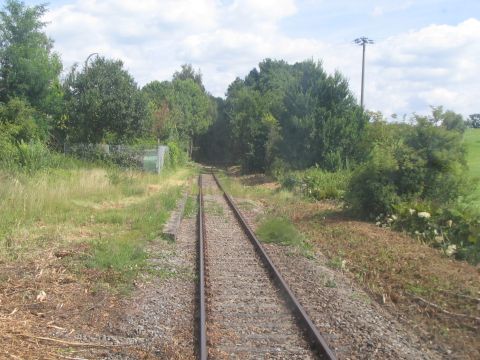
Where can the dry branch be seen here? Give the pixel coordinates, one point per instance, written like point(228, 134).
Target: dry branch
point(418, 298)
point(71, 343)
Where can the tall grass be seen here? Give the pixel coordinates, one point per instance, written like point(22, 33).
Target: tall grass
point(41, 205)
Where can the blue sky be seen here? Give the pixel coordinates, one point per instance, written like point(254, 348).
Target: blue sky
point(426, 52)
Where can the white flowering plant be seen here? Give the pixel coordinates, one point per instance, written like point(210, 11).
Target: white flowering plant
point(455, 230)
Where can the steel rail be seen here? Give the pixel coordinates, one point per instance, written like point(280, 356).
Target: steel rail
point(202, 330)
point(317, 340)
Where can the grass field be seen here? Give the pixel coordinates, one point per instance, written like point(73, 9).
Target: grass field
point(110, 213)
point(472, 141)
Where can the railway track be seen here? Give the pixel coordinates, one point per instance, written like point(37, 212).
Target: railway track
point(246, 310)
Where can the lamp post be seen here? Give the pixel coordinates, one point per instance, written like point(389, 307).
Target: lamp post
point(88, 58)
point(363, 41)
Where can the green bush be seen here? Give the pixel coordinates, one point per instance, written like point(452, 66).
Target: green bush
point(30, 157)
point(455, 229)
point(281, 231)
point(372, 189)
point(176, 155)
point(317, 183)
point(425, 163)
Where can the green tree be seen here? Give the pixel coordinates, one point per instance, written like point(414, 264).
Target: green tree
point(448, 119)
point(182, 109)
point(28, 67)
point(188, 72)
point(474, 120)
point(296, 114)
point(104, 103)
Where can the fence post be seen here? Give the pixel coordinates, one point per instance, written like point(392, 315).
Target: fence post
point(159, 154)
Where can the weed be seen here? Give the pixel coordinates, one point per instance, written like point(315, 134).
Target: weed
point(214, 208)
point(336, 263)
point(191, 207)
point(281, 231)
point(330, 283)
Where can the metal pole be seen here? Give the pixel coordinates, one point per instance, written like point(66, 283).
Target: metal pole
point(363, 75)
point(363, 41)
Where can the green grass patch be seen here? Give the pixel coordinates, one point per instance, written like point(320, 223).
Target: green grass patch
point(191, 206)
point(281, 231)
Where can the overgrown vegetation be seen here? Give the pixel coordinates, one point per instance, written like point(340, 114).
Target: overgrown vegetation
point(316, 183)
point(113, 213)
point(398, 271)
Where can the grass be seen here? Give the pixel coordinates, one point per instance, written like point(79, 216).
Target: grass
point(281, 231)
point(114, 213)
point(472, 142)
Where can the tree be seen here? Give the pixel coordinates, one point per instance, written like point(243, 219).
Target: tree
point(188, 72)
point(474, 120)
point(447, 119)
point(296, 114)
point(28, 67)
point(104, 103)
point(183, 110)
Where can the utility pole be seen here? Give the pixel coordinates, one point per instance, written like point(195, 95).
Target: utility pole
point(363, 41)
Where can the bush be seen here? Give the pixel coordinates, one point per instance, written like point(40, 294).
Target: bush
point(372, 189)
point(30, 157)
point(454, 229)
point(425, 163)
point(176, 155)
point(317, 183)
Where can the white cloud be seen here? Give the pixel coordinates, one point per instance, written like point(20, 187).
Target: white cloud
point(434, 65)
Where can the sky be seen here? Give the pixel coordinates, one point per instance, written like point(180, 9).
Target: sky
point(426, 52)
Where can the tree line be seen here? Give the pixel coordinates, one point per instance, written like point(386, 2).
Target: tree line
point(96, 102)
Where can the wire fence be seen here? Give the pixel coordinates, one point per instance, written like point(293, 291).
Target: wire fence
point(137, 157)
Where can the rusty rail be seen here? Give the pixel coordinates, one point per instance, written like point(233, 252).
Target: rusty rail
point(318, 342)
point(202, 330)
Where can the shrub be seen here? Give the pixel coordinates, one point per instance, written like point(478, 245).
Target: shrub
point(30, 157)
point(455, 228)
point(372, 189)
point(317, 183)
point(176, 155)
point(425, 163)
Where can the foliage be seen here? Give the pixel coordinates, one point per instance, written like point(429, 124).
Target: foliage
point(422, 162)
point(474, 121)
point(104, 103)
point(455, 228)
point(472, 143)
point(279, 230)
point(372, 188)
point(317, 183)
point(28, 67)
point(176, 156)
point(20, 121)
point(296, 114)
point(448, 119)
point(182, 109)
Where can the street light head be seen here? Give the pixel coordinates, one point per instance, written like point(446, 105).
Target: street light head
point(363, 40)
